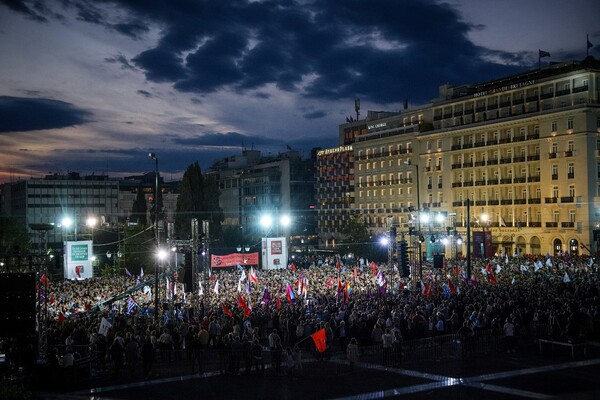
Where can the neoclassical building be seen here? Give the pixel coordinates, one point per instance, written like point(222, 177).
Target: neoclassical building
point(522, 151)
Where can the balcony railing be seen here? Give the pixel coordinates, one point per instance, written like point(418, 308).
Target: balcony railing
point(535, 200)
point(520, 201)
point(534, 224)
point(567, 224)
point(493, 202)
point(567, 199)
point(551, 224)
point(520, 179)
point(551, 200)
point(506, 202)
point(535, 178)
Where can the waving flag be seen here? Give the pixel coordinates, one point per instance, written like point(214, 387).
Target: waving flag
point(44, 280)
point(131, 305)
point(348, 291)
point(338, 265)
point(566, 278)
point(227, 311)
point(127, 272)
point(244, 306)
point(216, 288)
point(451, 287)
point(253, 276)
point(289, 293)
point(320, 339)
point(373, 268)
point(141, 272)
point(266, 299)
point(293, 267)
point(243, 276)
point(329, 283)
point(200, 289)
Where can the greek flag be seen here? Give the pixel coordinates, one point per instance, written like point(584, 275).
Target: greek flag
point(131, 305)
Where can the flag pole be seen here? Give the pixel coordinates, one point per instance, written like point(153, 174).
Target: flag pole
point(539, 59)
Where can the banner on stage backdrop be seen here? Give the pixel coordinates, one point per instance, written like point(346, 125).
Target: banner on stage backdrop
point(274, 253)
point(233, 259)
point(78, 259)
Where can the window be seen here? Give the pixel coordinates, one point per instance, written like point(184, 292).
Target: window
point(554, 169)
point(554, 148)
point(570, 145)
point(571, 171)
point(555, 192)
point(555, 216)
point(572, 216)
point(571, 190)
point(570, 123)
point(428, 146)
point(554, 126)
point(439, 144)
point(536, 129)
point(597, 122)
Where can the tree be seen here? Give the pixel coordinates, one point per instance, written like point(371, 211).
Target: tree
point(198, 198)
point(138, 249)
point(357, 239)
point(14, 239)
point(139, 209)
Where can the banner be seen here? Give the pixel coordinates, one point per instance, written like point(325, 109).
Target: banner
point(274, 253)
point(78, 260)
point(233, 259)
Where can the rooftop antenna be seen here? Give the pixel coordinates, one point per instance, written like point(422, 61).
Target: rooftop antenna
point(357, 107)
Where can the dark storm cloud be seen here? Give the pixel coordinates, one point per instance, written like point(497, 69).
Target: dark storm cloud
point(381, 50)
point(227, 139)
point(315, 115)
point(20, 114)
point(24, 7)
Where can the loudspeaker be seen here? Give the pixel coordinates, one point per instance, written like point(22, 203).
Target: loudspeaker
point(438, 261)
point(17, 304)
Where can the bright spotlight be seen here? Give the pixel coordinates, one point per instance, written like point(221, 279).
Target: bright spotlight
point(286, 220)
point(266, 221)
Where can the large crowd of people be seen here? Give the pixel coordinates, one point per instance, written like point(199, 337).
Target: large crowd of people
point(356, 302)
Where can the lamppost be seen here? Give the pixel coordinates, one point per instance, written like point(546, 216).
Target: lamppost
point(160, 256)
point(484, 218)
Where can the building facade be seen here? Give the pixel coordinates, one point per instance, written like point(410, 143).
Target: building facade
point(522, 151)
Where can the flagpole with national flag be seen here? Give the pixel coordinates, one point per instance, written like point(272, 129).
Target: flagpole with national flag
point(589, 45)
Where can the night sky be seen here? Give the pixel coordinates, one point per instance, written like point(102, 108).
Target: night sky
point(93, 86)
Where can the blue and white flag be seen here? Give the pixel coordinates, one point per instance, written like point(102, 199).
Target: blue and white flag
point(131, 305)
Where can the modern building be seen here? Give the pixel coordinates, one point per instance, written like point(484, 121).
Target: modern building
point(42, 203)
point(251, 185)
point(522, 151)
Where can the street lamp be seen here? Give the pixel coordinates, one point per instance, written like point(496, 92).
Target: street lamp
point(484, 218)
point(161, 254)
point(66, 223)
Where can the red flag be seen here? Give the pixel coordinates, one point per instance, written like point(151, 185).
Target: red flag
point(493, 280)
point(320, 339)
point(451, 287)
point(226, 311)
point(355, 273)
point(374, 268)
point(340, 286)
point(243, 305)
point(278, 303)
point(427, 290)
point(212, 278)
point(338, 265)
point(293, 267)
point(61, 317)
point(329, 282)
point(44, 280)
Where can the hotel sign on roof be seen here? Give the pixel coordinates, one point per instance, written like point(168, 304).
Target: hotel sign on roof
point(334, 150)
point(504, 88)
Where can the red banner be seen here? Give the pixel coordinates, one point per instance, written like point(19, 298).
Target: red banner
point(233, 259)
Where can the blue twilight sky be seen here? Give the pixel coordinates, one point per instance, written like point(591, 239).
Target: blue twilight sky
point(94, 85)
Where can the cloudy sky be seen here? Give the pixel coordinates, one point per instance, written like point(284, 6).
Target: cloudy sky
point(94, 85)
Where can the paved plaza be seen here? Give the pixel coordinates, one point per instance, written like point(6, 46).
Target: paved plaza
point(527, 375)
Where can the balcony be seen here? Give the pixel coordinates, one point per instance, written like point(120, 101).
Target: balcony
point(554, 177)
point(467, 165)
point(535, 178)
point(569, 153)
point(546, 95)
point(563, 92)
point(567, 224)
point(519, 138)
point(492, 141)
point(457, 165)
point(479, 109)
point(456, 184)
point(534, 200)
point(520, 179)
point(457, 204)
point(506, 160)
point(480, 183)
point(580, 89)
point(467, 145)
point(479, 144)
point(456, 147)
point(492, 181)
point(551, 200)
point(458, 114)
point(468, 183)
point(532, 224)
point(567, 199)
point(505, 181)
point(506, 202)
point(551, 155)
point(518, 159)
point(520, 201)
point(533, 136)
point(505, 104)
point(534, 157)
point(551, 224)
point(505, 140)
point(492, 106)
point(480, 202)
point(493, 161)
point(480, 163)
point(571, 175)
point(493, 202)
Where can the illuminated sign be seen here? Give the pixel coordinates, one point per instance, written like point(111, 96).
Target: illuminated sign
point(334, 150)
point(504, 88)
point(379, 125)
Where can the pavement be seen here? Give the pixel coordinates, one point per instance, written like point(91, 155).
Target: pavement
point(497, 375)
